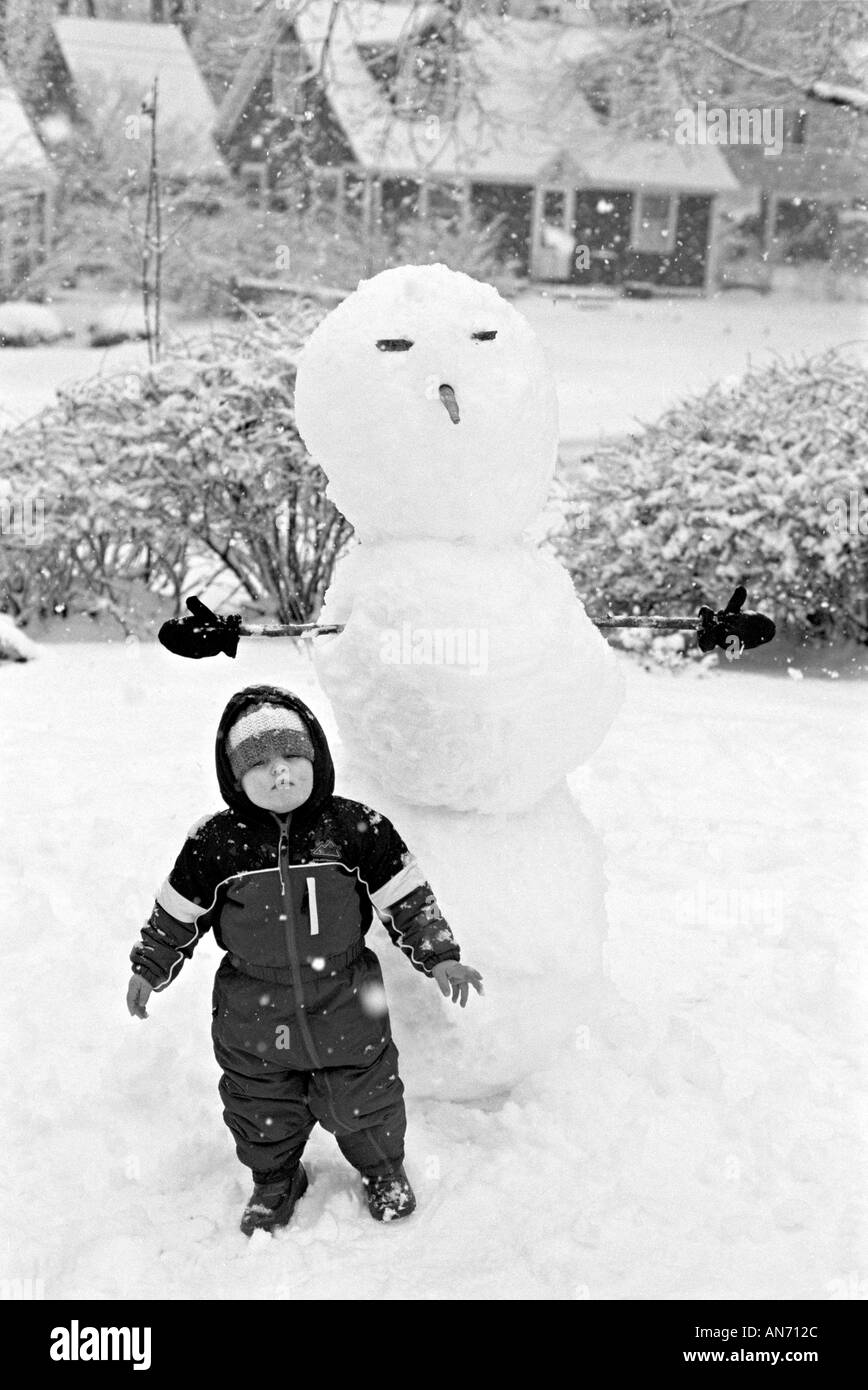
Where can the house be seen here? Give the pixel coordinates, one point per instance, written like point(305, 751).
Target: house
point(27, 186)
point(823, 162)
point(100, 71)
point(405, 115)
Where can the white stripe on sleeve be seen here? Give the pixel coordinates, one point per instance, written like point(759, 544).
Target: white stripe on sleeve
point(408, 878)
point(176, 905)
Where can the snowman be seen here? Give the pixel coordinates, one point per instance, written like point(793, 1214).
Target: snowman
point(467, 681)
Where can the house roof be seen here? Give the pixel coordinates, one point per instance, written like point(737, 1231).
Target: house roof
point(113, 62)
point(521, 113)
point(856, 57)
point(22, 157)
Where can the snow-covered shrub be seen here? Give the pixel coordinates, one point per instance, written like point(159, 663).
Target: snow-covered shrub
point(343, 258)
point(764, 483)
point(193, 466)
point(207, 255)
point(14, 644)
point(25, 325)
point(123, 322)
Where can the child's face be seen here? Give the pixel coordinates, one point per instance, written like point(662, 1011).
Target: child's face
point(280, 784)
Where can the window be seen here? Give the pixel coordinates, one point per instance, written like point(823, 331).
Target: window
point(20, 233)
point(399, 199)
point(653, 234)
point(254, 180)
point(795, 126)
point(354, 196)
point(382, 63)
point(419, 76)
point(325, 191)
point(554, 207)
point(399, 204)
point(596, 94)
point(641, 12)
point(444, 203)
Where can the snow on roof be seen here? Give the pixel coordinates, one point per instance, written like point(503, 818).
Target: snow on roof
point(520, 115)
point(21, 154)
point(856, 57)
point(115, 61)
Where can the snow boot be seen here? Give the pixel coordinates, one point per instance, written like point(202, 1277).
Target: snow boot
point(389, 1197)
point(272, 1203)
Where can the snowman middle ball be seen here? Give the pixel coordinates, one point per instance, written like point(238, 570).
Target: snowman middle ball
point(467, 676)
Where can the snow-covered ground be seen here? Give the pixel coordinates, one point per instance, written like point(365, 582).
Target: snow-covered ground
point(625, 361)
point(705, 1144)
point(615, 361)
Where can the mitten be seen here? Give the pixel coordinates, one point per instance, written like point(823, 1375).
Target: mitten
point(205, 634)
point(752, 629)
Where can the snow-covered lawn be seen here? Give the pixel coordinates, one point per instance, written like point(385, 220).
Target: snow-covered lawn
point(707, 1146)
point(630, 359)
point(614, 360)
point(30, 377)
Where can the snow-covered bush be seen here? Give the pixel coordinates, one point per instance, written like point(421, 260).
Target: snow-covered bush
point(343, 256)
point(206, 254)
point(14, 644)
point(764, 483)
point(25, 325)
point(123, 322)
point(193, 466)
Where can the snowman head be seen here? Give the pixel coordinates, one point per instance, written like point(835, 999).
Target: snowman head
point(426, 400)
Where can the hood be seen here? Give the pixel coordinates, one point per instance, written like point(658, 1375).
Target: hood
point(323, 767)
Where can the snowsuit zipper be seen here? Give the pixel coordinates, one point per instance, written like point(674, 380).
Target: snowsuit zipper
point(288, 919)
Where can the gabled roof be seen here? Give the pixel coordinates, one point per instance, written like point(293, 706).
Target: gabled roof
point(22, 157)
point(855, 55)
point(519, 113)
point(115, 62)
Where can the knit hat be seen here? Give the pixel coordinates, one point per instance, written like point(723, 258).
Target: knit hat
point(264, 731)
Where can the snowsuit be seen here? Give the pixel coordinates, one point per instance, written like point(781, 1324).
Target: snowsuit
point(299, 1020)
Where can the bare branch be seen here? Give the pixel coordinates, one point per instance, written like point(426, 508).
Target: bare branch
point(831, 92)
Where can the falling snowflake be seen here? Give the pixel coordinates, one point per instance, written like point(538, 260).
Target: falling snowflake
point(373, 1000)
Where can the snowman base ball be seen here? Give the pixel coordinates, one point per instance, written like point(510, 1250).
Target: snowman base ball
point(524, 895)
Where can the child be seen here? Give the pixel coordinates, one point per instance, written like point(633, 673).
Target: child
point(289, 877)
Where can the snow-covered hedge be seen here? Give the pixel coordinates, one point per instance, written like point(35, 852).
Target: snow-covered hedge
point(190, 468)
point(764, 483)
point(14, 644)
point(25, 325)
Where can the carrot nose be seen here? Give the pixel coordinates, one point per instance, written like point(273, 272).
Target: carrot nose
point(447, 396)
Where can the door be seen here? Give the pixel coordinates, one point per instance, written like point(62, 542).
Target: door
point(691, 242)
point(601, 232)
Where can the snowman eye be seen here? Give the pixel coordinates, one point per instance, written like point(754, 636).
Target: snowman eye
point(486, 336)
point(394, 344)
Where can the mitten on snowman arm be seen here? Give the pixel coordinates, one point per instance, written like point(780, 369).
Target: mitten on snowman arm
point(178, 918)
point(401, 896)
